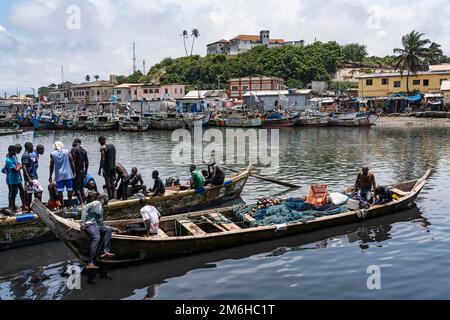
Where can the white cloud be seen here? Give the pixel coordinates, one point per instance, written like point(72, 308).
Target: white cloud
point(38, 42)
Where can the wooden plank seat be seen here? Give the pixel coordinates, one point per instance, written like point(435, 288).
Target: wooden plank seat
point(162, 235)
point(192, 228)
point(219, 220)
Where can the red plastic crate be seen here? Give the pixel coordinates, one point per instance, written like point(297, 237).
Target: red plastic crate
point(318, 195)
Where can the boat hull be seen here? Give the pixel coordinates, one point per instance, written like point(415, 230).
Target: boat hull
point(313, 121)
point(156, 123)
point(354, 122)
point(236, 122)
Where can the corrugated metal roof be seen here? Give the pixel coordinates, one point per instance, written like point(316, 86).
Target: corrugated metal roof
point(276, 93)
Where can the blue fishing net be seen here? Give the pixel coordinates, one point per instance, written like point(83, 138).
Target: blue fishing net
point(291, 211)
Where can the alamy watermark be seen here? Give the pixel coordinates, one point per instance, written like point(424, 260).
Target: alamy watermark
point(374, 280)
point(73, 21)
point(229, 146)
point(73, 282)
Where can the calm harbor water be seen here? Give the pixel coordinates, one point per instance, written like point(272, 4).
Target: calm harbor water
point(410, 247)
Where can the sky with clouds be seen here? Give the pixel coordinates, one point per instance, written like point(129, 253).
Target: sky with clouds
point(37, 37)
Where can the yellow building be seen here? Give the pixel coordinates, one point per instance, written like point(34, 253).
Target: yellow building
point(445, 88)
point(386, 84)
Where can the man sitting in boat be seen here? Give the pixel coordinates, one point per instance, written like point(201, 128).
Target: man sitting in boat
point(158, 188)
point(92, 216)
point(365, 182)
point(197, 180)
point(217, 174)
point(382, 195)
point(137, 183)
point(151, 216)
point(207, 177)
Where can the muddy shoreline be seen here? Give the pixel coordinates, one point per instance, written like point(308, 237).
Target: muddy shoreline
point(412, 122)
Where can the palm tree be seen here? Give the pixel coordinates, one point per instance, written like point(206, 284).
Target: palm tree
point(195, 34)
point(87, 78)
point(436, 53)
point(185, 36)
point(414, 56)
point(96, 77)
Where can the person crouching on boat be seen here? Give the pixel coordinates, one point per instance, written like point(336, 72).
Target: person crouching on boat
point(137, 182)
point(382, 195)
point(365, 182)
point(217, 175)
point(151, 216)
point(158, 189)
point(92, 216)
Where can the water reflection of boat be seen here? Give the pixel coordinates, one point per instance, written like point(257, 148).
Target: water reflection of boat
point(209, 230)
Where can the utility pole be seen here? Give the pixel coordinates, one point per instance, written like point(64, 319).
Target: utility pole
point(62, 74)
point(134, 58)
point(143, 64)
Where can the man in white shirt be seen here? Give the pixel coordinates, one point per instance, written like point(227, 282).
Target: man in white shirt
point(151, 216)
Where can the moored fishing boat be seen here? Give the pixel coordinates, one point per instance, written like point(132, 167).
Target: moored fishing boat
point(78, 122)
point(278, 119)
point(24, 120)
point(313, 119)
point(235, 119)
point(102, 123)
point(43, 123)
point(26, 229)
point(6, 121)
point(172, 121)
point(356, 119)
point(133, 124)
point(210, 230)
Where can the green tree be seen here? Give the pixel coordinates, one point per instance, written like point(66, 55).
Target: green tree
point(354, 53)
point(87, 78)
point(185, 36)
point(414, 56)
point(96, 77)
point(195, 35)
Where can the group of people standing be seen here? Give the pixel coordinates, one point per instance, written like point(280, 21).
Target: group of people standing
point(68, 171)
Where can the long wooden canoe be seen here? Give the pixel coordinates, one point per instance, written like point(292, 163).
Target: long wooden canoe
point(27, 229)
point(208, 230)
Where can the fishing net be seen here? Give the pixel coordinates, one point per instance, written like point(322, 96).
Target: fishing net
point(290, 211)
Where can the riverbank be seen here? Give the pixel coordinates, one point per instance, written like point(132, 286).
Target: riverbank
point(412, 122)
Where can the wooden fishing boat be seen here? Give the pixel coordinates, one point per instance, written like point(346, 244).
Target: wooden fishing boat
point(78, 123)
point(173, 121)
point(43, 123)
point(279, 120)
point(133, 124)
point(356, 119)
point(102, 123)
point(6, 121)
point(208, 230)
point(24, 120)
point(234, 121)
point(313, 119)
point(26, 229)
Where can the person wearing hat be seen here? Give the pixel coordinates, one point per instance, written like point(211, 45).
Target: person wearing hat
point(61, 163)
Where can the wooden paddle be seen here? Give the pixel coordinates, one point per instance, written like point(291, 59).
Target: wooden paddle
point(257, 176)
